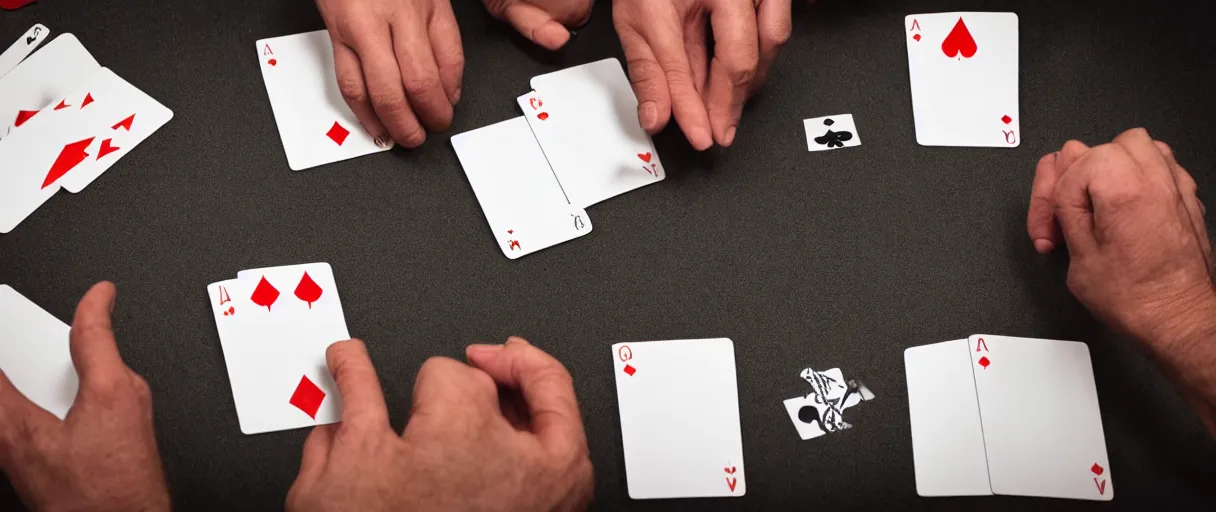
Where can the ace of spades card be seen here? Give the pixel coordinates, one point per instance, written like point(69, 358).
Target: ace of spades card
point(963, 69)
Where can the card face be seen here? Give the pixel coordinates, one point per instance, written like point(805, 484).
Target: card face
point(71, 142)
point(45, 77)
point(1042, 427)
point(314, 122)
point(947, 436)
point(526, 207)
point(586, 121)
point(963, 68)
point(22, 47)
point(831, 132)
point(275, 326)
point(124, 118)
point(34, 353)
point(679, 406)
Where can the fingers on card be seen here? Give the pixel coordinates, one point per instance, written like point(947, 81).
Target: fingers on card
point(963, 68)
point(314, 122)
point(679, 408)
point(34, 353)
point(275, 325)
point(1003, 415)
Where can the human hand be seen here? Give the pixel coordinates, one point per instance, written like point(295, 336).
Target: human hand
point(1141, 260)
point(460, 450)
point(666, 47)
point(103, 455)
point(544, 22)
point(399, 64)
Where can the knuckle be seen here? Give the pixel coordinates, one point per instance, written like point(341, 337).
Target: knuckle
point(389, 104)
point(141, 390)
point(742, 70)
point(352, 89)
point(422, 85)
point(776, 37)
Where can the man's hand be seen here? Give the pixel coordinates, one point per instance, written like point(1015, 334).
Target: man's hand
point(665, 43)
point(544, 22)
point(103, 455)
point(399, 64)
point(465, 447)
point(1139, 250)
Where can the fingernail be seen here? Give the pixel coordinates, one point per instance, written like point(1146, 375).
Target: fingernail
point(1043, 245)
point(384, 142)
point(516, 340)
point(483, 350)
point(649, 115)
point(730, 136)
point(456, 95)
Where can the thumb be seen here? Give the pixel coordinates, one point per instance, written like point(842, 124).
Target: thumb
point(93, 348)
point(19, 420)
point(545, 384)
point(532, 22)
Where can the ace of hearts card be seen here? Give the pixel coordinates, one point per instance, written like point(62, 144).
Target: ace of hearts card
point(963, 69)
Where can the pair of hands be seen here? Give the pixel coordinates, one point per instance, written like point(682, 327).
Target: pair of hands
point(502, 432)
point(400, 63)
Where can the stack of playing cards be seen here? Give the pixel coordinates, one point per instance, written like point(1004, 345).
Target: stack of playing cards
point(34, 353)
point(964, 75)
point(578, 143)
point(1001, 415)
point(680, 418)
point(65, 120)
point(275, 325)
point(315, 124)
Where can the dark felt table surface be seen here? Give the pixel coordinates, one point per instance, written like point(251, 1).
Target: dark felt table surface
point(835, 259)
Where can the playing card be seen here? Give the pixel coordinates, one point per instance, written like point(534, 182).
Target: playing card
point(126, 116)
point(22, 47)
point(45, 77)
point(679, 407)
point(526, 207)
point(964, 76)
point(275, 326)
point(314, 122)
point(831, 132)
point(947, 436)
point(34, 353)
point(807, 416)
point(72, 142)
point(1042, 428)
point(586, 121)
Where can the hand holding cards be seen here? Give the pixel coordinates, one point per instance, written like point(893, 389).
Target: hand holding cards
point(275, 325)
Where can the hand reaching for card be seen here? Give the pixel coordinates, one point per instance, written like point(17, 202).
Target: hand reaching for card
point(544, 22)
point(399, 64)
point(665, 43)
point(103, 455)
point(1141, 259)
point(466, 447)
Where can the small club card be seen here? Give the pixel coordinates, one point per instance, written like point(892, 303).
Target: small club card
point(831, 132)
point(526, 207)
point(1020, 419)
point(73, 141)
point(275, 325)
point(22, 48)
point(314, 122)
point(963, 68)
point(586, 121)
point(679, 406)
point(34, 353)
point(45, 77)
